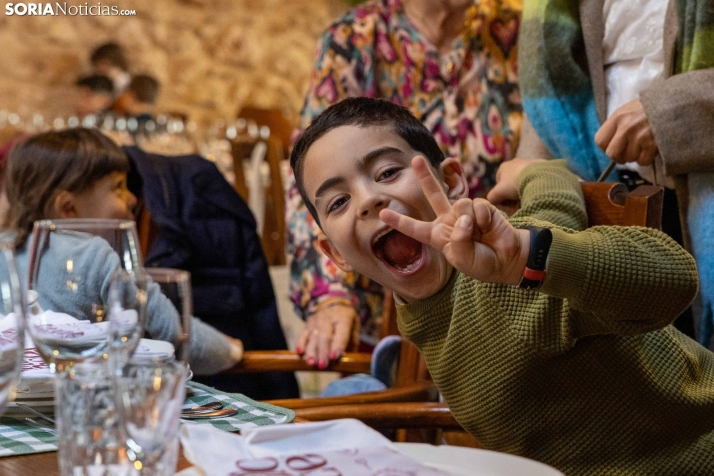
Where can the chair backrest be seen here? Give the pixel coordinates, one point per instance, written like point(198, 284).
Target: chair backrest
point(273, 234)
point(279, 126)
point(611, 204)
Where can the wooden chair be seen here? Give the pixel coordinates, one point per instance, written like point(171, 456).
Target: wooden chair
point(273, 236)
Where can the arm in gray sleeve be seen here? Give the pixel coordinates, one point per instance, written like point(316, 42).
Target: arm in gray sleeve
point(680, 110)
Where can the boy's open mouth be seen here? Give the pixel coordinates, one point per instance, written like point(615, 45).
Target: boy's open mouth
point(398, 251)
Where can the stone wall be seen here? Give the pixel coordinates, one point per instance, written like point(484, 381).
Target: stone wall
point(211, 56)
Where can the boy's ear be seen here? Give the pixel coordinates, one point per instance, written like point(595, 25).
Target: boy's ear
point(454, 178)
point(330, 250)
point(64, 205)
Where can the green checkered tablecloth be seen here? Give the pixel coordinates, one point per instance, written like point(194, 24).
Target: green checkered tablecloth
point(250, 413)
point(19, 437)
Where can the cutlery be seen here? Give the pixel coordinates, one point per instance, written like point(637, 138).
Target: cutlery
point(224, 412)
point(35, 412)
point(203, 408)
point(43, 426)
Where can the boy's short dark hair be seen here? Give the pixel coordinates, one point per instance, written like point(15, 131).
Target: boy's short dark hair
point(96, 83)
point(364, 112)
point(145, 88)
point(111, 52)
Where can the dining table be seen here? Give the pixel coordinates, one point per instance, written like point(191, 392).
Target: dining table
point(46, 464)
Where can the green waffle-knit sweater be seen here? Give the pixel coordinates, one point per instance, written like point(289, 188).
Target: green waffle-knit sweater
point(587, 374)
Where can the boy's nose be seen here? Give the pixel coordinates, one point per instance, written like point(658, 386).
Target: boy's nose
point(373, 204)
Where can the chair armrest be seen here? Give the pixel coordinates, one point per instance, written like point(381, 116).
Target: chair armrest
point(288, 361)
point(387, 415)
point(418, 392)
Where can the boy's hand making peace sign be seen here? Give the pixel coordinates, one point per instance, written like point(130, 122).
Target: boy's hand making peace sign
point(473, 235)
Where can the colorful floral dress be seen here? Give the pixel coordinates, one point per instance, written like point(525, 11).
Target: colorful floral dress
point(468, 98)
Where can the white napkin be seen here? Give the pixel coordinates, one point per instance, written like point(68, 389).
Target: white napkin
point(347, 447)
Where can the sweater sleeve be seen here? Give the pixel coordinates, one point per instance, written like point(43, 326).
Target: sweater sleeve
point(551, 193)
point(619, 280)
point(209, 350)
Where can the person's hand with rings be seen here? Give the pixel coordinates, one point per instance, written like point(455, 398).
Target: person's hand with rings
point(328, 332)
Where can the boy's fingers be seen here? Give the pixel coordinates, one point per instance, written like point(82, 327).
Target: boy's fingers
point(463, 230)
point(431, 186)
point(462, 243)
point(483, 214)
point(419, 230)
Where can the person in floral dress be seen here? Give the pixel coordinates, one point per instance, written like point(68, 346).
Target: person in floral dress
point(452, 63)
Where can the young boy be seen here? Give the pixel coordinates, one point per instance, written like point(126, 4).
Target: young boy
point(584, 374)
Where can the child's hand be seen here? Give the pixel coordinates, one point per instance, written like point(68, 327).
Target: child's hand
point(472, 234)
point(236, 348)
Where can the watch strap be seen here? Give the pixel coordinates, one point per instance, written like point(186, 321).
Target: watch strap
point(534, 272)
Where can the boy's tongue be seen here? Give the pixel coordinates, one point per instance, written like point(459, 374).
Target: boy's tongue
point(400, 250)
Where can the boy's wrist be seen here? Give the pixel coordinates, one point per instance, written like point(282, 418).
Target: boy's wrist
point(516, 273)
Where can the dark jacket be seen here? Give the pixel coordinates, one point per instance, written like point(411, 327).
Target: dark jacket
point(207, 229)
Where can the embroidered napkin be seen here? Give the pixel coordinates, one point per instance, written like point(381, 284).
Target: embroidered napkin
point(346, 447)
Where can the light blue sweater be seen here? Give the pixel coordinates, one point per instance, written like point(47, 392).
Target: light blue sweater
point(94, 261)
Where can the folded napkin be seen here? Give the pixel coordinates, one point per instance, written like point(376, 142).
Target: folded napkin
point(63, 328)
point(347, 447)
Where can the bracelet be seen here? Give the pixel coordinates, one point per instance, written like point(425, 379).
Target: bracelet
point(534, 272)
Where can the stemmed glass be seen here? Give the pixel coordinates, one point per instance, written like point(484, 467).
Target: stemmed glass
point(12, 318)
point(70, 266)
point(128, 301)
point(175, 285)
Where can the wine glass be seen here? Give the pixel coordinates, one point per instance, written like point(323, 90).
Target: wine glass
point(70, 266)
point(12, 318)
point(128, 301)
point(175, 285)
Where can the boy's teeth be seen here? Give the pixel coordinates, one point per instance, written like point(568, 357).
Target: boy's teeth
point(409, 267)
point(376, 238)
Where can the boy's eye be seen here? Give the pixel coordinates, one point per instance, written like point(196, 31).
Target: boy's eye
point(336, 204)
point(388, 173)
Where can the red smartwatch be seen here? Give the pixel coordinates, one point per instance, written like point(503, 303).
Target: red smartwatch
point(534, 272)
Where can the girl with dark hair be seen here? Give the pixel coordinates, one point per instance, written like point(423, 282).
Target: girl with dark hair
point(80, 173)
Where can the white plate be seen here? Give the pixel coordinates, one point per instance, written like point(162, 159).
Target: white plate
point(461, 461)
point(149, 349)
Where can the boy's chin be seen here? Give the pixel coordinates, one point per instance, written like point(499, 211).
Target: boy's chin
point(422, 288)
point(412, 295)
